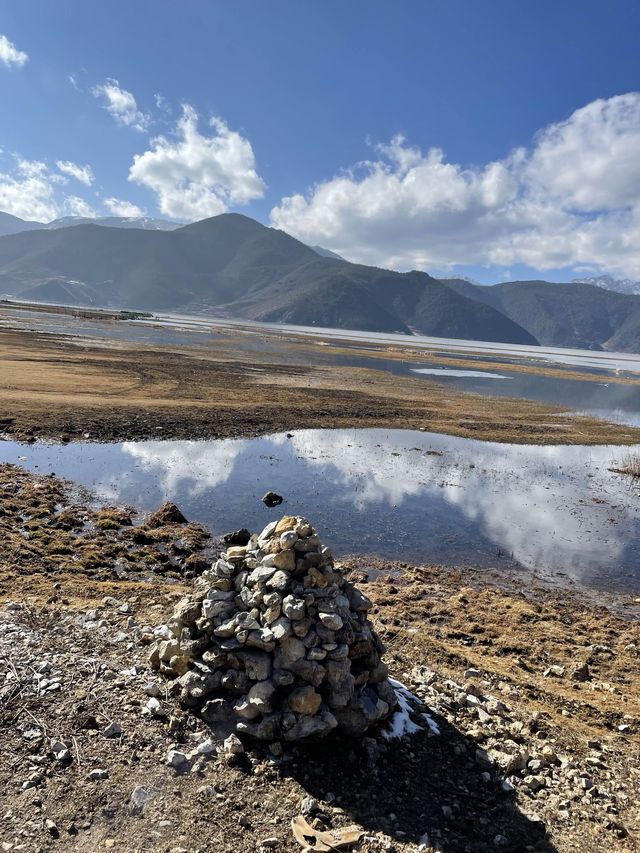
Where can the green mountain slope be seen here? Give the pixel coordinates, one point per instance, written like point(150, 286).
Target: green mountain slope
point(569, 315)
point(234, 266)
point(331, 292)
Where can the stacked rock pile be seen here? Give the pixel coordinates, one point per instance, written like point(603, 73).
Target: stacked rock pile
point(273, 642)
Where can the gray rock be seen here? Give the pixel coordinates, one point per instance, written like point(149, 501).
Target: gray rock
point(311, 727)
point(243, 708)
point(305, 700)
point(262, 573)
point(581, 673)
point(232, 746)
point(281, 628)
point(271, 615)
point(261, 694)
point(153, 707)
point(268, 531)
point(179, 761)
point(139, 798)
point(289, 650)
point(309, 806)
point(51, 828)
point(212, 609)
point(280, 580)
point(293, 607)
point(288, 539)
point(331, 621)
point(206, 747)
point(258, 665)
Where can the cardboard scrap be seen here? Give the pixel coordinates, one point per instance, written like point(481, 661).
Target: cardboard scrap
point(325, 841)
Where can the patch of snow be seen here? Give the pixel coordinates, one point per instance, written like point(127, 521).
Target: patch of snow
point(401, 723)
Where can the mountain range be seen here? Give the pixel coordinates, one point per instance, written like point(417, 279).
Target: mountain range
point(231, 265)
point(620, 285)
point(10, 224)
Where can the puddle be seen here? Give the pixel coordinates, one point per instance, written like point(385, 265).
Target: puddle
point(396, 493)
point(444, 372)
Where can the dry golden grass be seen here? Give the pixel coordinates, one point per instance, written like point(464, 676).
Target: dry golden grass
point(54, 386)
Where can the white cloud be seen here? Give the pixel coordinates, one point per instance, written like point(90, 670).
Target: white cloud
point(32, 191)
point(195, 175)
point(76, 206)
point(121, 104)
point(571, 199)
point(591, 161)
point(84, 174)
point(28, 192)
point(163, 106)
point(119, 207)
point(9, 53)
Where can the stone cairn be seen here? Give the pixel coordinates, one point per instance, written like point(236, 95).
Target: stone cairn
point(274, 643)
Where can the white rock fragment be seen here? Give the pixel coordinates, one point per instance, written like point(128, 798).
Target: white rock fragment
point(178, 760)
point(98, 774)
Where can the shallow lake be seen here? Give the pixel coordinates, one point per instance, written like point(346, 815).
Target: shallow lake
point(559, 355)
point(399, 494)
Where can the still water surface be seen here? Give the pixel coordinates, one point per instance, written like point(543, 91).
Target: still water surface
point(396, 493)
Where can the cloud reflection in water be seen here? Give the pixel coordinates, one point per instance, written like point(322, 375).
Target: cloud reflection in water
point(556, 508)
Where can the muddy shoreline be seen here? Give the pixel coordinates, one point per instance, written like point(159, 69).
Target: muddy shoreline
point(59, 388)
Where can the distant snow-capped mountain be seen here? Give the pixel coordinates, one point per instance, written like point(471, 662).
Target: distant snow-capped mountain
point(13, 224)
point(608, 282)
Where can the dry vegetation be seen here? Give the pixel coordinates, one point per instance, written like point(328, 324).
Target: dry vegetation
point(629, 465)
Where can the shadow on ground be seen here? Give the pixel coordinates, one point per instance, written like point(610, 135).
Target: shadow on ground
point(421, 784)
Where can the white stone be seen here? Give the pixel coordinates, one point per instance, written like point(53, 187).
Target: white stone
point(233, 745)
point(153, 706)
point(288, 540)
point(178, 760)
point(331, 621)
point(98, 774)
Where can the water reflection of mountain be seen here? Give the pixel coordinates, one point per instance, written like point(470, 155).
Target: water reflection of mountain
point(404, 495)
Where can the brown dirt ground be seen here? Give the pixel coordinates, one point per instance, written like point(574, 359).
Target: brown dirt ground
point(64, 388)
point(428, 617)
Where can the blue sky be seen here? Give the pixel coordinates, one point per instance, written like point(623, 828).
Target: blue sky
point(498, 139)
